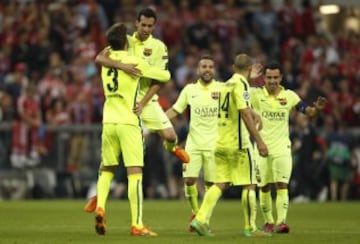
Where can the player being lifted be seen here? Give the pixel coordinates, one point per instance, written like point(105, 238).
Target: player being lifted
point(143, 45)
point(122, 132)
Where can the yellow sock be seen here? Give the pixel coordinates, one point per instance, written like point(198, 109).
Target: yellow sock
point(266, 206)
point(170, 145)
point(103, 188)
point(282, 204)
point(210, 199)
point(248, 201)
point(191, 195)
point(135, 196)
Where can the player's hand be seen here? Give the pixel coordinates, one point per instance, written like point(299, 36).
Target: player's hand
point(256, 71)
point(138, 109)
point(320, 103)
point(130, 69)
point(262, 148)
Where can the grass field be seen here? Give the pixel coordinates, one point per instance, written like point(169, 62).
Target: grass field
point(55, 221)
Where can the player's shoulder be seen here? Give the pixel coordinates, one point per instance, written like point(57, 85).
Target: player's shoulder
point(289, 93)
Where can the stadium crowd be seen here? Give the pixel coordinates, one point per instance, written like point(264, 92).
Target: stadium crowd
point(48, 77)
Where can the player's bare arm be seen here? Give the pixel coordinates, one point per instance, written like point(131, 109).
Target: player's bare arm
point(153, 89)
point(318, 105)
point(171, 113)
point(103, 59)
point(257, 120)
point(247, 116)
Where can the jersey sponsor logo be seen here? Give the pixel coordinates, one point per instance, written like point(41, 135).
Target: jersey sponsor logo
point(215, 95)
point(273, 116)
point(206, 111)
point(282, 101)
point(147, 51)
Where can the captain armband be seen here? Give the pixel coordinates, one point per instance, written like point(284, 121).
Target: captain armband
point(301, 106)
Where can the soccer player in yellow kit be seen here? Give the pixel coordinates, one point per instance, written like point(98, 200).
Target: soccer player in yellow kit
point(234, 157)
point(274, 104)
point(143, 45)
point(202, 98)
point(122, 132)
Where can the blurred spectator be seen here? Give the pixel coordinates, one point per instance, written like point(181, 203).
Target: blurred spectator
point(26, 141)
point(338, 158)
point(264, 24)
point(16, 81)
point(80, 114)
point(309, 171)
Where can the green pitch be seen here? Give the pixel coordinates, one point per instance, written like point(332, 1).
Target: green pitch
point(55, 221)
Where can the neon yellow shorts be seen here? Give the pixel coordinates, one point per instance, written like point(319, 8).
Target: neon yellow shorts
point(236, 167)
point(275, 168)
point(200, 160)
point(122, 139)
point(154, 117)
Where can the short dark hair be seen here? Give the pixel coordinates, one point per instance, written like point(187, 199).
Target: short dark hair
point(242, 61)
point(148, 13)
point(273, 65)
point(206, 56)
point(116, 36)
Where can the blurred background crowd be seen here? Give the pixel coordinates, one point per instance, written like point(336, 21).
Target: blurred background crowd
point(51, 96)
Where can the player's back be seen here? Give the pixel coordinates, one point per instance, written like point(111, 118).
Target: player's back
point(120, 91)
point(232, 132)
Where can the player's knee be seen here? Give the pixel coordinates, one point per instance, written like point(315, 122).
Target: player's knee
point(190, 181)
point(168, 135)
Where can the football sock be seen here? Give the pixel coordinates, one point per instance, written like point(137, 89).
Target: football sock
point(210, 199)
point(248, 201)
point(191, 195)
point(266, 206)
point(103, 188)
point(135, 196)
point(170, 145)
point(282, 204)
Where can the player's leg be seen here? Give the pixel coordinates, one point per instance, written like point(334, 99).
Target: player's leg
point(131, 141)
point(282, 173)
point(265, 198)
point(209, 173)
point(170, 144)
point(200, 222)
point(190, 175)
point(244, 174)
point(110, 150)
point(155, 119)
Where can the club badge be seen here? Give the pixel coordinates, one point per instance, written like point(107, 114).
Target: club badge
point(282, 101)
point(147, 52)
point(215, 95)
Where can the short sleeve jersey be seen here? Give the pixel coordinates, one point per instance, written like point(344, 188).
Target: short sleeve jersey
point(153, 51)
point(121, 89)
point(235, 96)
point(203, 102)
point(274, 112)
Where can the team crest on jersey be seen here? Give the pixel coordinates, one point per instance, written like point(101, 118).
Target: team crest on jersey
point(215, 95)
point(246, 95)
point(147, 51)
point(282, 101)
